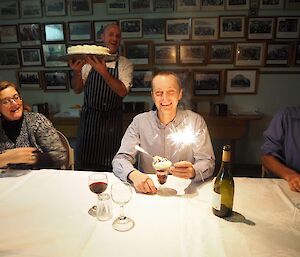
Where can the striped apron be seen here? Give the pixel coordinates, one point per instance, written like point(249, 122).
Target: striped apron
point(100, 128)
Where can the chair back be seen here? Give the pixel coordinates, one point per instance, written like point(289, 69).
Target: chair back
point(69, 165)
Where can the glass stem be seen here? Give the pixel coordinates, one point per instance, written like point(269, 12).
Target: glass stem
point(122, 216)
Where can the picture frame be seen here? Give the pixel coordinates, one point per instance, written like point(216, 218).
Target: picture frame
point(139, 53)
point(288, 27)
point(54, 32)
point(30, 34)
point(31, 8)
point(153, 28)
point(270, 5)
point(249, 54)
point(142, 81)
point(141, 6)
point(81, 7)
point(165, 54)
point(8, 34)
point(55, 7)
point(52, 54)
point(261, 27)
point(241, 81)
point(205, 28)
point(207, 83)
point(187, 5)
point(221, 53)
point(178, 29)
point(164, 5)
point(194, 54)
point(232, 26)
point(9, 10)
point(99, 27)
point(131, 28)
point(9, 58)
point(292, 4)
point(297, 54)
point(29, 79)
point(80, 31)
point(31, 57)
point(237, 5)
point(278, 54)
point(56, 80)
point(212, 5)
point(117, 6)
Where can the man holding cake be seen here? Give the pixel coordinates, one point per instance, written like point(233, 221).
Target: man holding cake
point(153, 131)
point(104, 85)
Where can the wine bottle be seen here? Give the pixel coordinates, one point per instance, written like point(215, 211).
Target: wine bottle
point(223, 192)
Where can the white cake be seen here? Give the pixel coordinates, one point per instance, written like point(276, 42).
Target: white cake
point(88, 49)
point(161, 163)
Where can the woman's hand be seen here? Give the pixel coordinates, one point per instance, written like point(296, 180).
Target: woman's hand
point(27, 155)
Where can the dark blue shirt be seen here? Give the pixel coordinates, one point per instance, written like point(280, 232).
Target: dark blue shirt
point(282, 138)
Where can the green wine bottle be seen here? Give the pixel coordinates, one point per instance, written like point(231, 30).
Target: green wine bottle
point(222, 200)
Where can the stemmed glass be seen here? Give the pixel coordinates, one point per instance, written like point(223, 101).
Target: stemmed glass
point(162, 176)
point(121, 194)
point(97, 184)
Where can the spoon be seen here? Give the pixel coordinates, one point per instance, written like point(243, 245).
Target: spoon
point(137, 147)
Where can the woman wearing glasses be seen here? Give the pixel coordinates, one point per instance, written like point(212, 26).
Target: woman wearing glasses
point(27, 139)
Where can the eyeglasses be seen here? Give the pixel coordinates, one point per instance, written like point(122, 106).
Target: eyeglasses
point(9, 100)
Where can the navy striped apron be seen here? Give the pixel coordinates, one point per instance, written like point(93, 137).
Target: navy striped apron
point(100, 128)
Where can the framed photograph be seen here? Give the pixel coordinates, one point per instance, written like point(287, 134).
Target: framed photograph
point(117, 6)
point(292, 4)
point(232, 26)
point(9, 9)
point(138, 52)
point(142, 81)
point(153, 28)
point(163, 5)
point(31, 56)
point(52, 53)
point(297, 55)
point(9, 58)
point(187, 5)
point(55, 7)
point(278, 54)
point(178, 29)
point(80, 31)
point(221, 53)
point(30, 34)
point(205, 28)
point(81, 7)
point(261, 28)
point(288, 27)
point(237, 4)
point(131, 28)
point(212, 5)
point(56, 80)
point(29, 79)
point(207, 83)
point(271, 4)
point(241, 81)
point(249, 54)
point(141, 6)
point(193, 54)
point(165, 54)
point(8, 34)
point(99, 27)
point(31, 8)
point(54, 32)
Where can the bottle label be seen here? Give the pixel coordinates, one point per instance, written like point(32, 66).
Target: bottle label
point(216, 201)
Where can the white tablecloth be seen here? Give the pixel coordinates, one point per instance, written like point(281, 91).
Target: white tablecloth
point(45, 214)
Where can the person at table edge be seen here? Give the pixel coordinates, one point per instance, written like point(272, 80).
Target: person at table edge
point(151, 130)
point(281, 147)
point(27, 139)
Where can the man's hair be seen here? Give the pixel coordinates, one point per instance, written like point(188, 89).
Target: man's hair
point(6, 84)
point(167, 73)
point(108, 25)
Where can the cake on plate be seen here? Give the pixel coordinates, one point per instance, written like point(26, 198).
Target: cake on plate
point(88, 49)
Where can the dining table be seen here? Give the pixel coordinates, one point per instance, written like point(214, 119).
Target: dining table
point(45, 213)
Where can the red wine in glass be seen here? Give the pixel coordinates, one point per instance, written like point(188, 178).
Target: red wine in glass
point(98, 187)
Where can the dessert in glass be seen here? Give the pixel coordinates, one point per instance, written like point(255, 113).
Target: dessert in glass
point(162, 166)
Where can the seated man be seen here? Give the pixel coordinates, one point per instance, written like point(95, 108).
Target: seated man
point(153, 132)
point(281, 147)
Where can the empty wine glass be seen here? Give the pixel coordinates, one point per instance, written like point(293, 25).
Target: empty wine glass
point(121, 194)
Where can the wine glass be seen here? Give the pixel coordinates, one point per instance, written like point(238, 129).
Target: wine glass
point(162, 176)
point(97, 184)
point(121, 194)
